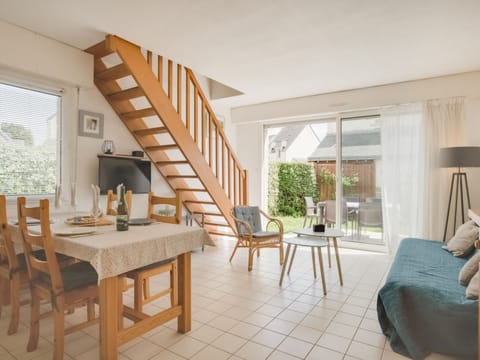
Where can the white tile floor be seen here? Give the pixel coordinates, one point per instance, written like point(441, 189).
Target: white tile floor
point(242, 315)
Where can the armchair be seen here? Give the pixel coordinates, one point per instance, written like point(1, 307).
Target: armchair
point(251, 235)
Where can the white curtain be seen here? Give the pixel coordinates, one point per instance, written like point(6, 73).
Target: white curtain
point(402, 173)
point(444, 123)
point(415, 190)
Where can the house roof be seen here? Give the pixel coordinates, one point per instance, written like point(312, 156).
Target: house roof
point(286, 136)
point(356, 145)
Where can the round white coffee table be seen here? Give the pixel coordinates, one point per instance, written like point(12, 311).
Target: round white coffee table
point(309, 238)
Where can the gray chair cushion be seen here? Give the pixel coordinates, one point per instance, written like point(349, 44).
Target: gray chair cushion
point(249, 214)
point(262, 234)
point(75, 276)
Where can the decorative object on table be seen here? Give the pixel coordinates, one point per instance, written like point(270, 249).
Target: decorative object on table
point(88, 220)
point(137, 153)
point(122, 209)
point(319, 228)
point(90, 124)
point(58, 194)
point(96, 211)
point(108, 147)
point(458, 157)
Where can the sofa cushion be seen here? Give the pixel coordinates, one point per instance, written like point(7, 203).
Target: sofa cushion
point(462, 243)
point(469, 269)
point(472, 288)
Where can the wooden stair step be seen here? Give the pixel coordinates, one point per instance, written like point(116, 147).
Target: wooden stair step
point(205, 202)
point(128, 94)
point(191, 189)
point(151, 131)
point(113, 73)
point(220, 233)
point(182, 177)
point(172, 162)
point(161, 147)
point(99, 50)
point(138, 114)
point(212, 223)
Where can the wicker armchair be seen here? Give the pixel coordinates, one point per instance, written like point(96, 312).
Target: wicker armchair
point(251, 235)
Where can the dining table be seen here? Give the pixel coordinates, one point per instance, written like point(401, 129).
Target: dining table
point(113, 253)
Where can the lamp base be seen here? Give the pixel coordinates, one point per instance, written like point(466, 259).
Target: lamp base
point(459, 180)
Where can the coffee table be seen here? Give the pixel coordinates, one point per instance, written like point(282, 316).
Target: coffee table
point(307, 237)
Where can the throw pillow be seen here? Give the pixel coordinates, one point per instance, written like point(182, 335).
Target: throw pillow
point(472, 288)
point(462, 243)
point(469, 269)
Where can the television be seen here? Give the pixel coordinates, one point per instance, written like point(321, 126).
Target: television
point(134, 173)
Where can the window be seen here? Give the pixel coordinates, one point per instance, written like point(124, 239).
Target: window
point(29, 141)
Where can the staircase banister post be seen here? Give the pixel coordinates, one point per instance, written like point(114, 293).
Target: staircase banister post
point(245, 186)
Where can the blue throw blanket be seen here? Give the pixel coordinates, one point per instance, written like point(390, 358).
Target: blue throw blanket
point(422, 307)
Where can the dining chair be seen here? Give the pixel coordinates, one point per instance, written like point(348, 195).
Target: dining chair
point(331, 213)
point(13, 271)
point(170, 213)
point(252, 235)
point(65, 287)
point(112, 198)
point(310, 211)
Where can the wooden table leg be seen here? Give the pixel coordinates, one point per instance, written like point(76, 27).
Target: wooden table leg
point(329, 253)
point(337, 256)
point(184, 323)
point(322, 273)
point(109, 318)
point(291, 259)
point(313, 263)
point(284, 265)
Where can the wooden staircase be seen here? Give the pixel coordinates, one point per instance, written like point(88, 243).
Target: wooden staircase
point(163, 106)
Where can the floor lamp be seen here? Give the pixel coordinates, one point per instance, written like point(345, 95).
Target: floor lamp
point(458, 157)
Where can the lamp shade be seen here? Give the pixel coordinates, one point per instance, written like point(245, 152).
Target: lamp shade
point(460, 156)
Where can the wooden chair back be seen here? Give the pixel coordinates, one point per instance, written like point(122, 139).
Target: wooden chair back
point(168, 203)
point(49, 265)
point(111, 198)
point(7, 249)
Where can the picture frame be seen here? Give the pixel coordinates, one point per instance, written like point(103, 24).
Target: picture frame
point(90, 124)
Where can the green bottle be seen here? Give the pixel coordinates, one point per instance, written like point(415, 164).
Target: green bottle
point(122, 211)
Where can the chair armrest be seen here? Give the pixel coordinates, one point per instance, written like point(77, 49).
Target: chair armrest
point(272, 220)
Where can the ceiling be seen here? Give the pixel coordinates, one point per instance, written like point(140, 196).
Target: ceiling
point(276, 49)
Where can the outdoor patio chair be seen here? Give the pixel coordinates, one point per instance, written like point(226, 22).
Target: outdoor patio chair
point(310, 211)
point(370, 215)
point(251, 235)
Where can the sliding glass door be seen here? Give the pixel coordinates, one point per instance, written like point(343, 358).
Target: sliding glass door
point(361, 160)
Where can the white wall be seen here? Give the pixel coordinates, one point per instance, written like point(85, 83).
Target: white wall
point(248, 121)
point(30, 58)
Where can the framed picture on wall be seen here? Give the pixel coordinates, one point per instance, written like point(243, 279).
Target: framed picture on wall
point(90, 124)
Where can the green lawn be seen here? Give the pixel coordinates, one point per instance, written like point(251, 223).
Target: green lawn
point(291, 223)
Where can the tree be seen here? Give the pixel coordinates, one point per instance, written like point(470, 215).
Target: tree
point(17, 132)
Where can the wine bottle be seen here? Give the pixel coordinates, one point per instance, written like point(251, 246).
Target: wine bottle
point(122, 210)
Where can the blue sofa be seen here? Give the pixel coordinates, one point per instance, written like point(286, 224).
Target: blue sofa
point(422, 308)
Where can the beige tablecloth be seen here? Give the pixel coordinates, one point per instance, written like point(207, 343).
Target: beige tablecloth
point(114, 252)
